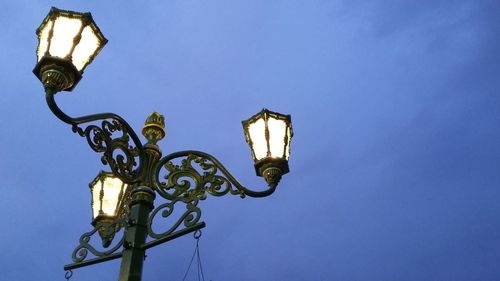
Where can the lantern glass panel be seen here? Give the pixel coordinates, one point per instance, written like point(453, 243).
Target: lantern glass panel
point(257, 133)
point(88, 45)
point(44, 40)
point(65, 30)
point(277, 131)
point(106, 193)
point(112, 189)
point(289, 138)
point(96, 204)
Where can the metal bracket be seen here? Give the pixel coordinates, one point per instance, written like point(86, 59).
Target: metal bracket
point(174, 235)
point(145, 246)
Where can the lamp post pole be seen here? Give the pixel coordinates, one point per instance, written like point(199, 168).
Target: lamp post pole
point(141, 205)
point(143, 187)
point(135, 234)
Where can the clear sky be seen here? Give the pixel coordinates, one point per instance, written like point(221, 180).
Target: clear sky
point(395, 161)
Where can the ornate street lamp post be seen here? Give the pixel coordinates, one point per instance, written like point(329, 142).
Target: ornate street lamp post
point(124, 199)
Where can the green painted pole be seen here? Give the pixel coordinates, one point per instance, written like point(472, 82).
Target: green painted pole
point(141, 205)
point(136, 233)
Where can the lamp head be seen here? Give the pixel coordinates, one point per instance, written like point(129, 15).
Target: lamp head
point(109, 202)
point(67, 42)
point(269, 134)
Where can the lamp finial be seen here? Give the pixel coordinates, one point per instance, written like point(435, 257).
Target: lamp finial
point(154, 127)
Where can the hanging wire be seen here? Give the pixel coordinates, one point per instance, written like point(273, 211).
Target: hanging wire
point(187, 270)
point(68, 274)
point(200, 267)
point(201, 276)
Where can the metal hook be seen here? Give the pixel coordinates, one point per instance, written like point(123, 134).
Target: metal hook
point(197, 234)
point(68, 274)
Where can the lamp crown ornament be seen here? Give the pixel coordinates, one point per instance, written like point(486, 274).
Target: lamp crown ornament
point(154, 127)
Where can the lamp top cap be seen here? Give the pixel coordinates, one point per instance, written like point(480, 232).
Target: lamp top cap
point(85, 17)
point(101, 176)
point(266, 113)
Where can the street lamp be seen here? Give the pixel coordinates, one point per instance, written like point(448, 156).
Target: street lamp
point(109, 201)
point(143, 187)
point(268, 134)
point(67, 43)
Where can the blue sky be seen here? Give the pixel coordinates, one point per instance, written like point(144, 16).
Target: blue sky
point(394, 165)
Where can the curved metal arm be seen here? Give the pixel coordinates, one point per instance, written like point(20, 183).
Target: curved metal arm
point(185, 180)
point(80, 253)
point(117, 151)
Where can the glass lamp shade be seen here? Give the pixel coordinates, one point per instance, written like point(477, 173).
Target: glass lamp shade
point(108, 193)
point(67, 41)
point(269, 134)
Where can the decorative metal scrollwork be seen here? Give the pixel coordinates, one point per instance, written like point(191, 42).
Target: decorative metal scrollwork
point(121, 157)
point(80, 253)
point(197, 175)
point(120, 147)
point(189, 217)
